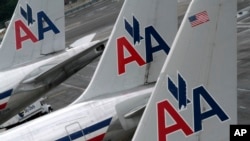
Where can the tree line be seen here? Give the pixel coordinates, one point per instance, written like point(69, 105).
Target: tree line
point(7, 8)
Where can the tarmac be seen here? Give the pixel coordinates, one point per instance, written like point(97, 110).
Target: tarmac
point(77, 5)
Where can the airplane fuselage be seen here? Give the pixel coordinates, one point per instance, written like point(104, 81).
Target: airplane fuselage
point(92, 120)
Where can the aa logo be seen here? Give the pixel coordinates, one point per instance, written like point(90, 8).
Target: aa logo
point(23, 32)
point(123, 45)
point(179, 91)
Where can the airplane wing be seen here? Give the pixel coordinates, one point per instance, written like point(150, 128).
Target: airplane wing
point(55, 73)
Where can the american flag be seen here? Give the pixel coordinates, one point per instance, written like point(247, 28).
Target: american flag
point(199, 18)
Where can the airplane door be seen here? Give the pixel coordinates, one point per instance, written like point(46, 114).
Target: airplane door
point(75, 132)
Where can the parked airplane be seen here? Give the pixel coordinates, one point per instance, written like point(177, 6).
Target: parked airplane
point(195, 97)
point(112, 104)
point(33, 57)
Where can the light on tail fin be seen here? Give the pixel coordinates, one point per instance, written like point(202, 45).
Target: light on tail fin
point(195, 97)
point(36, 29)
point(137, 48)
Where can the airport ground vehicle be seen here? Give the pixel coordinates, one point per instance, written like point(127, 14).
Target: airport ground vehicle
point(34, 110)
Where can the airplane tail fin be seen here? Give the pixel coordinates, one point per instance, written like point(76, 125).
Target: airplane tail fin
point(137, 48)
point(36, 29)
point(195, 97)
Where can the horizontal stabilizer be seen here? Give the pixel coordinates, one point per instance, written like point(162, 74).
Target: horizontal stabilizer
point(82, 41)
point(135, 112)
point(130, 110)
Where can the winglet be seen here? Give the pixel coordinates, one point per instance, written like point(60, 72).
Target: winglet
point(195, 97)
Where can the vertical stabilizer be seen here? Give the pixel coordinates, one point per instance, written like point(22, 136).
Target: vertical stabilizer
point(36, 29)
point(138, 46)
point(195, 97)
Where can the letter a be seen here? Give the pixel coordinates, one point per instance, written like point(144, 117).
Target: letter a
point(163, 131)
point(237, 132)
point(122, 61)
point(162, 45)
point(28, 34)
point(42, 17)
point(215, 110)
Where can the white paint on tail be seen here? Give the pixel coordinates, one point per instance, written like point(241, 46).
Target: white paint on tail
point(195, 97)
point(36, 29)
point(138, 46)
